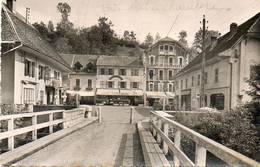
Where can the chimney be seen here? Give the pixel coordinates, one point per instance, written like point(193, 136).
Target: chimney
point(233, 28)
point(11, 5)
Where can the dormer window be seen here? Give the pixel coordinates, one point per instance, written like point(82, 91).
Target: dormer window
point(171, 49)
point(161, 48)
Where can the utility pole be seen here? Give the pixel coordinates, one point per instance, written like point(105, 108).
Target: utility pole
point(202, 91)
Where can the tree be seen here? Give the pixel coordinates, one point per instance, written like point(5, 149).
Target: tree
point(148, 39)
point(254, 83)
point(182, 38)
point(197, 43)
point(132, 36)
point(50, 26)
point(41, 27)
point(64, 25)
point(157, 37)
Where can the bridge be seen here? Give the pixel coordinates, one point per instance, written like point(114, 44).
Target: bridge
point(113, 136)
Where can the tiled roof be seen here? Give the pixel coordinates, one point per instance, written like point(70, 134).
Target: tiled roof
point(227, 41)
point(71, 59)
point(15, 29)
point(127, 61)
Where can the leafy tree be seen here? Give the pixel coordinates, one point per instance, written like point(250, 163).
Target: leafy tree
point(182, 38)
point(126, 35)
point(197, 43)
point(50, 27)
point(148, 39)
point(64, 25)
point(43, 30)
point(254, 83)
point(62, 45)
point(157, 37)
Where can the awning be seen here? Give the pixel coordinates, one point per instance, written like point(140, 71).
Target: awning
point(121, 92)
point(108, 92)
point(170, 94)
point(125, 92)
point(155, 94)
point(81, 93)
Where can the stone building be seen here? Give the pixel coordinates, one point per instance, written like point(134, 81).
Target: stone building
point(120, 77)
point(229, 60)
point(162, 61)
point(31, 69)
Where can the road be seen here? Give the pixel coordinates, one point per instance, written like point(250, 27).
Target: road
point(114, 142)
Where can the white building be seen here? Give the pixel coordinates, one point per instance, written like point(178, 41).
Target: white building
point(31, 69)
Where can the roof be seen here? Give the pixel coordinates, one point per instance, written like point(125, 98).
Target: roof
point(129, 61)
point(129, 51)
point(84, 59)
point(168, 39)
point(228, 40)
point(15, 29)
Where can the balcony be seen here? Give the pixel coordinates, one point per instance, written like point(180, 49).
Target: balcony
point(52, 82)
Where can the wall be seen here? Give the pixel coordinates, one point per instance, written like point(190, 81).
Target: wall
point(7, 77)
point(83, 80)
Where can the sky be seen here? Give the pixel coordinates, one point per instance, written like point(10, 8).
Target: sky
point(147, 16)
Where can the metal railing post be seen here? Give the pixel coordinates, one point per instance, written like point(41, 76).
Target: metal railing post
point(99, 115)
point(11, 139)
point(166, 132)
point(200, 156)
point(131, 115)
point(177, 144)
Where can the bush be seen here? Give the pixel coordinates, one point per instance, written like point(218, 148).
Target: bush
point(232, 129)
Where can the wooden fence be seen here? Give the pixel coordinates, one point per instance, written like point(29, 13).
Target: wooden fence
point(160, 128)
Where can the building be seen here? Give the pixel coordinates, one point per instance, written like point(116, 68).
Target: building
point(82, 80)
point(228, 63)
point(120, 77)
point(31, 69)
point(163, 60)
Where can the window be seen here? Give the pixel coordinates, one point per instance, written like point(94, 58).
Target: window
point(170, 61)
point(160, 87)
point(56, 75)
point(41, 72)
point(177, 84)
point(151, 74)
point(122, 72)
point(151, 87)
point(180, 61)
point(170, 48)
point(198, 83)
point(28, 95)
point(89, 83)
point(166, 48)
point(160, 74)
point(192, 81)
point(181, 84)
point(134, 85)
point(206, 78)
point(170, 87)
point(77, 83)
point(152, 60)
point(110, 71)
point(110, 84)
point(170, 74)
point(29, 68)
point(161, 48)
point(135, 72)
point(123, 85)
point(102, 84)
point(186, 83)
point(216, 75)
point(102, 71)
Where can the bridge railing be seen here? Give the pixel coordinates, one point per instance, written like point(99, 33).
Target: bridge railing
point(67, 118)
point(160, 128)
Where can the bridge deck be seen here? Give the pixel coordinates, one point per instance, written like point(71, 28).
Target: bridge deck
point(113, 142)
